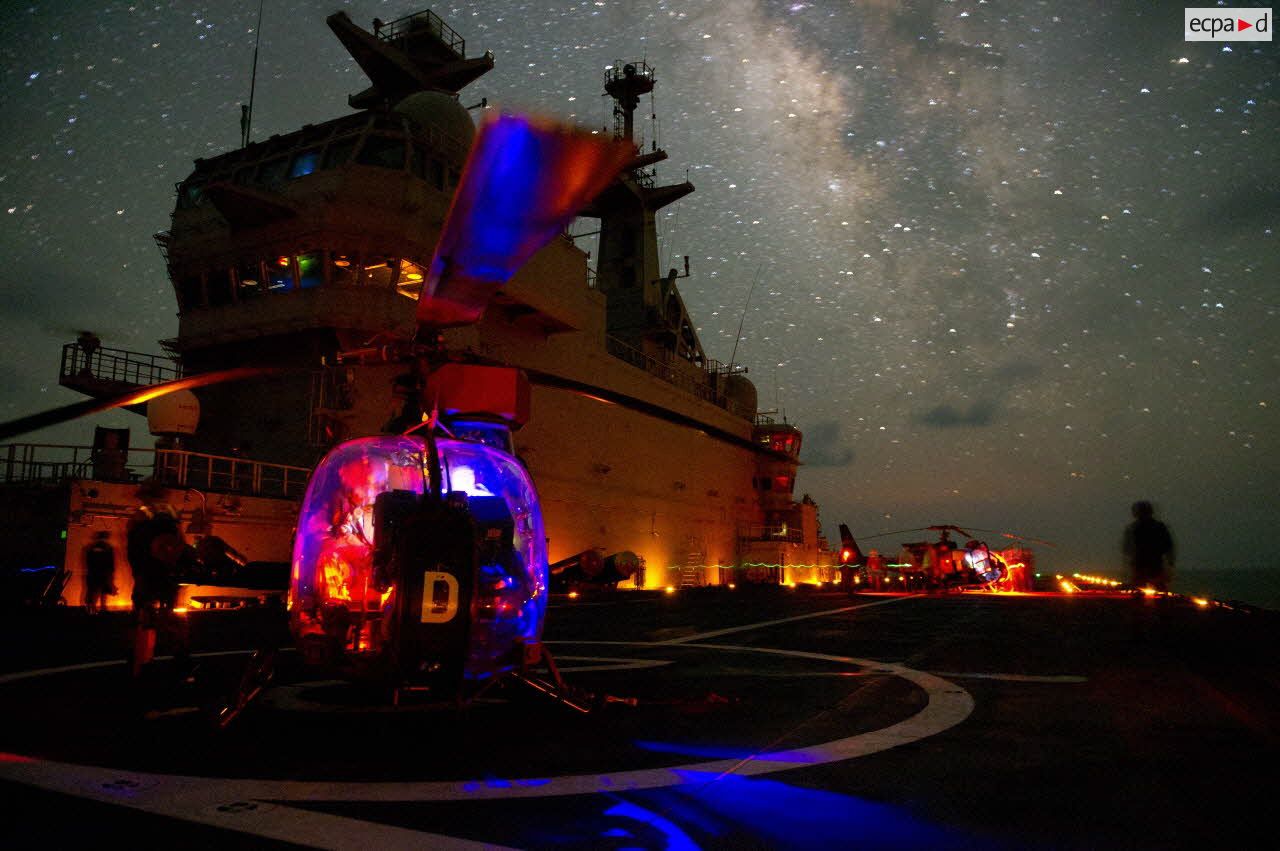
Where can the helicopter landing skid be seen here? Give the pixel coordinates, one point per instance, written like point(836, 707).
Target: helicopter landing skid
point(257, 674)
point(550, 682)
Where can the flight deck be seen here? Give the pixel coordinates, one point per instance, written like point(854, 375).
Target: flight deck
point(771, 718)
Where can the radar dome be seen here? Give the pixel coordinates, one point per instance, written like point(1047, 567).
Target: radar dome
point(174, 413)
point(440, 111)
point(739, 390)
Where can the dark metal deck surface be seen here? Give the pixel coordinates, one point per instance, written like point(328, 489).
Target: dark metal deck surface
point(772, 718)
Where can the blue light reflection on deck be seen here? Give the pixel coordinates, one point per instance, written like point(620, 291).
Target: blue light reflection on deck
point(675, 838)
point(759, 812)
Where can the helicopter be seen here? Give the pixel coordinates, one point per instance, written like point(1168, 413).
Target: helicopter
point(945, 564)
point(420, 558)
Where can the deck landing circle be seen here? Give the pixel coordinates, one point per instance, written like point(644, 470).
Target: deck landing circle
point(947, 705)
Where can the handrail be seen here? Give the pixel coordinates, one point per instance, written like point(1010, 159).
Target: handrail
point(705, 389)
point(32, 463)
point(772, 534)
point(118, 365)
point(419, 21)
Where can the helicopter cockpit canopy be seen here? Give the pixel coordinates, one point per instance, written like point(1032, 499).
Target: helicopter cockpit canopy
point(343, 589)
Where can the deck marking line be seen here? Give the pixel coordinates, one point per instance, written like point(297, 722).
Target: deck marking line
point(613, 663)
point(220, 805)
point(1013, 678)
point(108, 663)
point(719, 632)
point(238, 803)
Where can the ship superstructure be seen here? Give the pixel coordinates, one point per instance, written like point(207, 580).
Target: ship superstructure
point(308, 250)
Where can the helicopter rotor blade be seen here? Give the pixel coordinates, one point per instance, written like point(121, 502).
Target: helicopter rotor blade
point(66, 413)
point(967, 534)
point(523, 183)
point(895, 532)
point(1015, 537)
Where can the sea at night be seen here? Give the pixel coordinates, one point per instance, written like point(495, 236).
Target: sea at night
point(1255, 586)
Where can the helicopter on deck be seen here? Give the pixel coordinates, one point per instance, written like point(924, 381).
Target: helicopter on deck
point(420, 558)
point(944, 564)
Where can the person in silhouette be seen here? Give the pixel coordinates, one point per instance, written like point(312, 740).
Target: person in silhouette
point(89, 344)
point(155, 549)
point(875, 570)
point(99, 573)
point(1148, 549)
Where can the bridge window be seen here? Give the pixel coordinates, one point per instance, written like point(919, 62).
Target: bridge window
point(191, 291)
point(409, 283)
point(305, 162)
point(382, 151)
point(280, 274)
point(339, 151)
point(378, 272)
point(272, 172)
point(249, 274)
point(345, 271)
point(310, 269)
point(190, 195)
point(219, 287)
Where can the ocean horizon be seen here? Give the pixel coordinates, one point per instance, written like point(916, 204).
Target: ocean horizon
point(1255, 586)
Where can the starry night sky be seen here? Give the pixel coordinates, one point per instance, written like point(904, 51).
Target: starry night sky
point(1017, 261)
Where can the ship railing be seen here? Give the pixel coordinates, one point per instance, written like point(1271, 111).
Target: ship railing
point(115, 365)
point(773, 534)
point(51, 463)
point(701, 386)
point(228, 474)
point(33, 463)
point(424, 21)
point(646, 177)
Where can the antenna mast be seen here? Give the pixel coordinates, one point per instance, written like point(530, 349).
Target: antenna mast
point(246, 112)
point(733, 357)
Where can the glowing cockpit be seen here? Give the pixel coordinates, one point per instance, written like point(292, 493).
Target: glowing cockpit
point(349, 564)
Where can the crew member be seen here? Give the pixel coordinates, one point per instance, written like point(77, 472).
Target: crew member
point(1148, 548)
point(155, 547)
point(875, 570)
point(99, 570)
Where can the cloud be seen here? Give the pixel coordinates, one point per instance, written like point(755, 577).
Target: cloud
point(1017, 371)
point(980, 413)
point(822, 446)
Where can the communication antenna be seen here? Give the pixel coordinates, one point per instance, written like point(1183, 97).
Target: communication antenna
point(733, 357)
point(246, 112)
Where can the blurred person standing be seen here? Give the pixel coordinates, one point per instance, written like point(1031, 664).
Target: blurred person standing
point(1148, 549)
point(99, 573)
point(155, 547)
